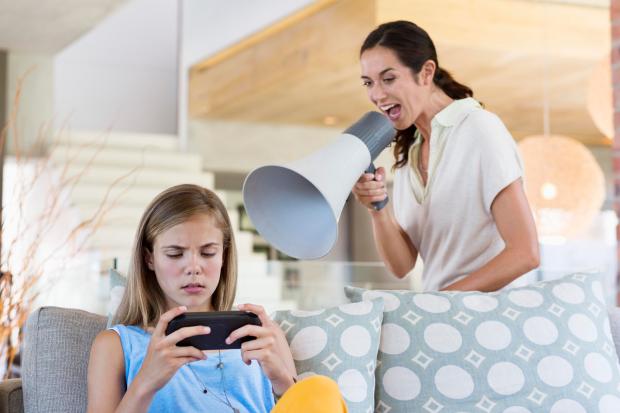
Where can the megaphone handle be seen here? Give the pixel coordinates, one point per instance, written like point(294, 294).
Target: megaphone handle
point(378, 206)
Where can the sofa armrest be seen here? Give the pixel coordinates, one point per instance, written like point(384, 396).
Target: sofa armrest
point(11, 400)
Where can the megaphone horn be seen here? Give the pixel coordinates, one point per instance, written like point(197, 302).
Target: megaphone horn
point(296, 206)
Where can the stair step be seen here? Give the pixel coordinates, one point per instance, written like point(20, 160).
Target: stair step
point(118, 140)
point(257, 286)
point(245, 243)
point(130, 200)
point(87, 197)
point(117, 237)
point(119, 214)
point(252, 265)
point(141, 176)
point(121, 236)
point(233, 215)
point(126, 157)
point(132, 169)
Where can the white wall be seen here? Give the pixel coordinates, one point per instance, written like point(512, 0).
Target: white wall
point(123, 73)
point(241, 146)
point(34, 110)
point(212, 25)
point(209, 26)
point(39, 242)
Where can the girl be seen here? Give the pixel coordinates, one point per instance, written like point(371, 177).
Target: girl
point(184, 259)
point(458, 194)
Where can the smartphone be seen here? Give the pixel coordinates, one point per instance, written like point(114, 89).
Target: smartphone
point(222, 323)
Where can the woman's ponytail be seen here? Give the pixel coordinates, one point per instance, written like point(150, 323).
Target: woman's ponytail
point(444, 80)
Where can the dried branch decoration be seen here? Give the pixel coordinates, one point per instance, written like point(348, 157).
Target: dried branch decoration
point(24, 262)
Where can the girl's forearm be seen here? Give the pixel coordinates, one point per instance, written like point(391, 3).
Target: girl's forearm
point(137, 399)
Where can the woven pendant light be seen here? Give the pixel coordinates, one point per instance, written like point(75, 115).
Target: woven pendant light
point(564, 184)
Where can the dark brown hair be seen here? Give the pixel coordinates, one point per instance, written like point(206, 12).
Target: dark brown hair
point(413, 47)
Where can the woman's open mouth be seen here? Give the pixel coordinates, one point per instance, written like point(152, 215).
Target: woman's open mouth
point(392, 111)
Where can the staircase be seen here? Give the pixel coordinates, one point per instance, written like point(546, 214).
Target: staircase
point(132, 169)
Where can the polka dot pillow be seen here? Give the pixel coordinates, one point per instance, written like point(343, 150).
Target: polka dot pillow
point(340, 343)
point(541, 348)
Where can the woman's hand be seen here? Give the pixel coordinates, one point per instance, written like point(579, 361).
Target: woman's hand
point(370, 188)
point(270, 349)
point(163, 357)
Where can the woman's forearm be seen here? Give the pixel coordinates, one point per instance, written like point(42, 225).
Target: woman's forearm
point(504, 268)
point(392, 243)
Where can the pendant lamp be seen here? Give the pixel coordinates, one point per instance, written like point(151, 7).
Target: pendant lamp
point(563, 182)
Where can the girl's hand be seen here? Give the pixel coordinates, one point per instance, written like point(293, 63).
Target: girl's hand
point(270, 349)
point(163, 357)
point(370, 188)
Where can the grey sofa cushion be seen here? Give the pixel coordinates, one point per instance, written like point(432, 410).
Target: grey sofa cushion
point(11, 396)
point(56, 351)
point(55, 359)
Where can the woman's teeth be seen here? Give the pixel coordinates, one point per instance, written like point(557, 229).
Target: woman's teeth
point(392, 111)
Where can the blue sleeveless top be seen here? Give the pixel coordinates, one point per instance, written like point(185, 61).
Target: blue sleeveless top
point(247, 387)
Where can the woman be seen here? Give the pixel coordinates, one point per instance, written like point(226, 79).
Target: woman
point(458, 191)
point(184, 259)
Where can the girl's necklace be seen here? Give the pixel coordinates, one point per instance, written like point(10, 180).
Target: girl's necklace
point(205, 390)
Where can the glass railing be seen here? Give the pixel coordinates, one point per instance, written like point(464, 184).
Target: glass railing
point(311, 284)
point(308, 285)
point(285, 285)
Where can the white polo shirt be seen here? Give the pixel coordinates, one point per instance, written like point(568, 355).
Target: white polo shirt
point(473, 157)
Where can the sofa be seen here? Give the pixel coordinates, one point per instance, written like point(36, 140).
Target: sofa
point(58, 340)
point(54, 362)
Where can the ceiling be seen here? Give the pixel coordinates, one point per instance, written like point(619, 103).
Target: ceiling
point(305, 69)
point(36, 26)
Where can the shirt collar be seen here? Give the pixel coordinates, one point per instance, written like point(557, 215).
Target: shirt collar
point(451, 114)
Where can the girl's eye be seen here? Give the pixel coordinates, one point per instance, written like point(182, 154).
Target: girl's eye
point(366, 83)
point(208, 254)
point(174, 255)
point(388, 79)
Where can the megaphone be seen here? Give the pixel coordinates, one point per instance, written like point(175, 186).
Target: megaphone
point(296, 206)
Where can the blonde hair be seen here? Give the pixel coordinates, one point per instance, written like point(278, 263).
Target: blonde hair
point(143, 301)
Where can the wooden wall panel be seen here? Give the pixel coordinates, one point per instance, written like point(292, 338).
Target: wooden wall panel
point(304, 69)
point(298, 75)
